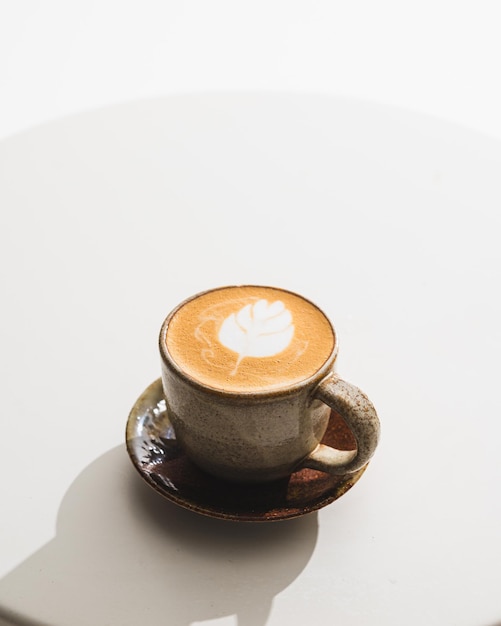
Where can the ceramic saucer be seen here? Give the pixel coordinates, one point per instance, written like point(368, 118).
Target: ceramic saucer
point(155, 453)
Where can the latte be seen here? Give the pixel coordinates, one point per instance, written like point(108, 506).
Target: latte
point(245, 339)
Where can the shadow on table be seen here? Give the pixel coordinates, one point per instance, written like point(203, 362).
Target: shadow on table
point(122, 555)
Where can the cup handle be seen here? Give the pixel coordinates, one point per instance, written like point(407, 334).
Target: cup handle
point(359, 414)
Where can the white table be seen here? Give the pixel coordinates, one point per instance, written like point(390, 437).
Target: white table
point(388, 220)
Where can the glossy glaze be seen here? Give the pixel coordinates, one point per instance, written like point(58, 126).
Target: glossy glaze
point(153, 449)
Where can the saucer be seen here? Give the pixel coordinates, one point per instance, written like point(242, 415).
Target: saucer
point(156, 455)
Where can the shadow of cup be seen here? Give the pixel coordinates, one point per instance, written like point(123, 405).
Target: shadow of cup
point(123, 555)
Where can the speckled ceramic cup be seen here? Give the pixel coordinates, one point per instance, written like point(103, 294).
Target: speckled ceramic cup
point(247, 373)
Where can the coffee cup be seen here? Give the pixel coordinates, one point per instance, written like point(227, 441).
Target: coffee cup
point(249, 385)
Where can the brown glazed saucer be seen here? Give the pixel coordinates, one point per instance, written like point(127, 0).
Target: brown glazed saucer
point(155, 453)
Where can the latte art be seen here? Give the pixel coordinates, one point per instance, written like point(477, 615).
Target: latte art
point(257, 330)
point(248, 338)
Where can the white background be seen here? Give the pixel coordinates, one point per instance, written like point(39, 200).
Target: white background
point(415, 542)
point(436, 57)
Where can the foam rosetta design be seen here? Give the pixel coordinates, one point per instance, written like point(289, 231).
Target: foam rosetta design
point(248, 338)
point(257, 330)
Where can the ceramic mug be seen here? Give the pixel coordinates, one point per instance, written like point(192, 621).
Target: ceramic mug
point(247, 374)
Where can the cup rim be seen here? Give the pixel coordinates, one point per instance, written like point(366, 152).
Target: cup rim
point(284, 390)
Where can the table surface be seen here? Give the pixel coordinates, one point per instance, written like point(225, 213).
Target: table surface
point(388, 220)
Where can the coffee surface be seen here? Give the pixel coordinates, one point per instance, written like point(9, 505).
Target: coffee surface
point(244, 339)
